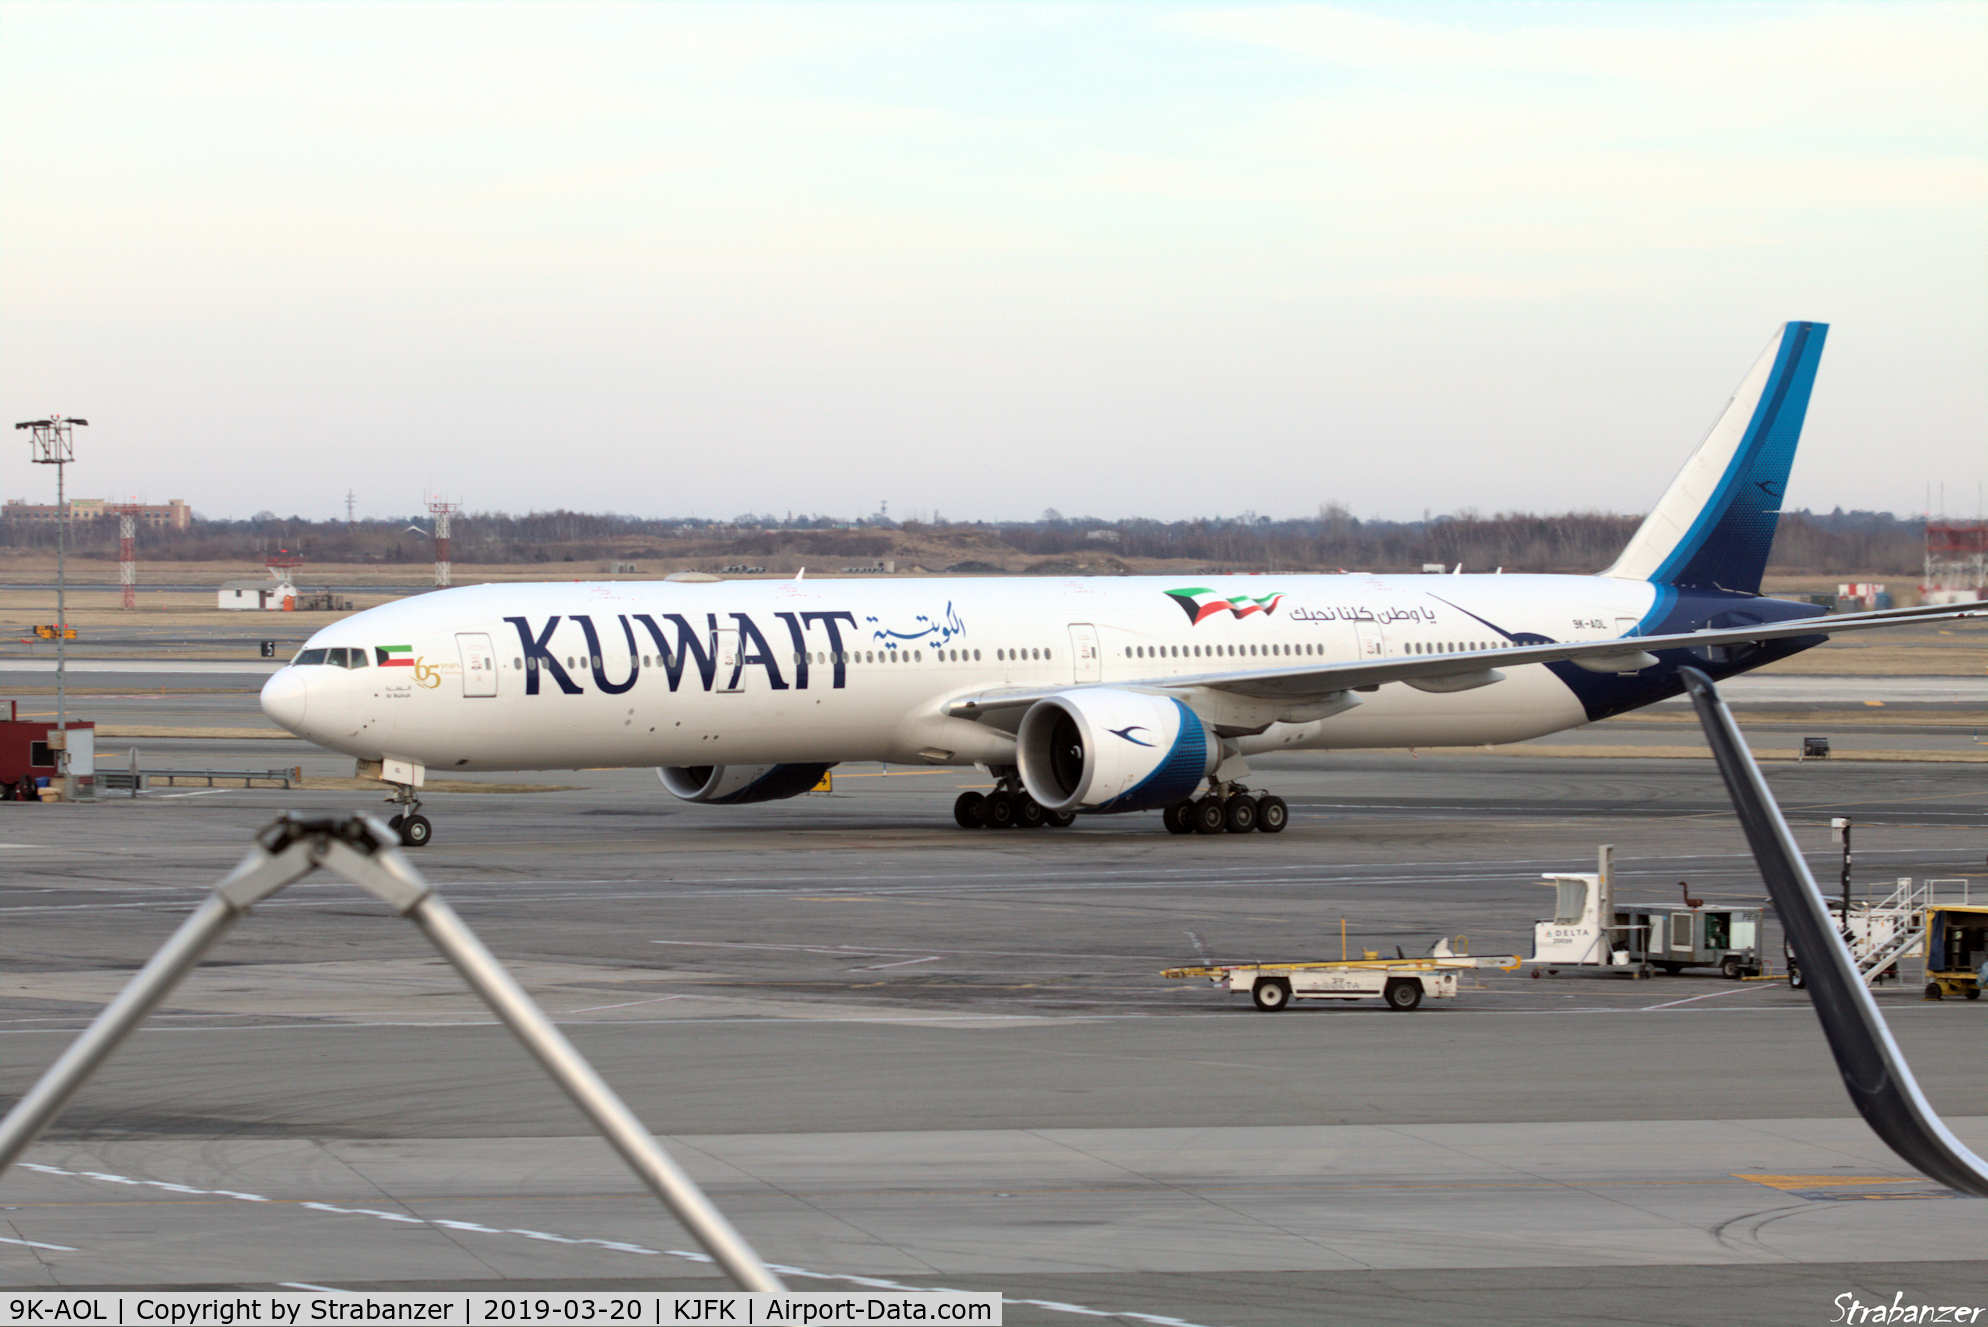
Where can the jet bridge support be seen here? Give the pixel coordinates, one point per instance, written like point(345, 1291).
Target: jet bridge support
point(366, 852)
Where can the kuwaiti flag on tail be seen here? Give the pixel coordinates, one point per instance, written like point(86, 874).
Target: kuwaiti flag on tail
point(1201, 603)
point(394, 656)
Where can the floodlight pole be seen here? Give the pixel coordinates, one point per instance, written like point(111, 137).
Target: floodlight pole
point(54, 444)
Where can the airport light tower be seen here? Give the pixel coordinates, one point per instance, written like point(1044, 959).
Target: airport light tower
point(441, 512)
point(127, 551)
point(53, 443)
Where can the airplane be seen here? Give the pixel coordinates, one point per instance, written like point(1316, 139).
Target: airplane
point(1082, 695)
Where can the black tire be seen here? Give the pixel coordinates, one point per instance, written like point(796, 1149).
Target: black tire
point(966, 809)
point(1272, 814)
point(1973, 993)
point(1028, 813)
point(1933, 991)
point(997, 810)
point(1731, 968)
point(1796, 977)
point(393, 822)
point(415, 832)
point(1239, 815)
point(1403, 993)
point(1179, 818)
point(1209, 816)
point(1671, 969)
point(1059, 819)
point(1271, 994)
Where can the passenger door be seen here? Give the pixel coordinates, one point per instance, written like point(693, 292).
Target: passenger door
point(479, 663)
point(1084, 650)
point(730, 674)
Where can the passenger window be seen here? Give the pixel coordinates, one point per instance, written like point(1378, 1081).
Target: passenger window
point(976, 655)
point(517, 663)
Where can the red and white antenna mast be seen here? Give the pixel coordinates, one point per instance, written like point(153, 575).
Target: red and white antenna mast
point(127, 555)
point(441, 511)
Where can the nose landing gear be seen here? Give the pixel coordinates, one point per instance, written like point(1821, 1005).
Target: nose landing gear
point(410, 824)
point(1228, 808)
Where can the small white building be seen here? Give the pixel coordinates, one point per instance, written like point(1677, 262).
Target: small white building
point(264, 594)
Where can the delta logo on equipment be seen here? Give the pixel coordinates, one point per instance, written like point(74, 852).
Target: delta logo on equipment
point(1850, 1309)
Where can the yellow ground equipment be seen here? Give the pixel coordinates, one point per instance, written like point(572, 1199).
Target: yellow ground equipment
point(1956, 948)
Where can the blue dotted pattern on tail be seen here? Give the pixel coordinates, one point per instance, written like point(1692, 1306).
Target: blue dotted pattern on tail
point(1726, 547)
point(1178, 774)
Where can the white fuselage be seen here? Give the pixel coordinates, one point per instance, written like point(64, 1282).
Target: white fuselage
point(705, 673)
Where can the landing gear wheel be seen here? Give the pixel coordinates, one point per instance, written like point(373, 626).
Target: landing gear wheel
point(1272, 814)
point(415, 831)
point(1796, 977)
point(1059, 819)
point(997, 810)
point(1403, 993)
point(1209, 817)
point(1179, 818)
point(1240, 815)
point(1933, 991)
point(1028, 812)
point(1731, 968)
point(966, 809)
point(393, 823)
point(1271, 994)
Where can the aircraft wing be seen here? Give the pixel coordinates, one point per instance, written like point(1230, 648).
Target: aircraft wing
point(1461, 671)
point(1874, 1070)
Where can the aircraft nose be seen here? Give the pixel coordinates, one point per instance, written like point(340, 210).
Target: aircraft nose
point(283, 697)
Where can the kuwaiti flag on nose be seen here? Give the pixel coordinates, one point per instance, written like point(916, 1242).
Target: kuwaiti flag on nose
point(1201, 603)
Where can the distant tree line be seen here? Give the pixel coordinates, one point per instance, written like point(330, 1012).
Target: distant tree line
point(1807, 542)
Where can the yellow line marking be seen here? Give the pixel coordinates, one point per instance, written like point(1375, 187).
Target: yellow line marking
point(1826, 1181)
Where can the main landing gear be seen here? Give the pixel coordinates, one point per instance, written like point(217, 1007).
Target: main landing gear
point(1228, 808)
point(1009, 806)
point(410, 824)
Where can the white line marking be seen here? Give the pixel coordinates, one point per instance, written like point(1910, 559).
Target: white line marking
point(306, 1285)
point(879, 967)
point(617, 1246)
point(1671, 1004)
point(595, 1009)
point(59, 1248)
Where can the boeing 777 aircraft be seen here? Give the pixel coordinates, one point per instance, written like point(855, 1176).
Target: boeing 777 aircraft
point(1080, 695)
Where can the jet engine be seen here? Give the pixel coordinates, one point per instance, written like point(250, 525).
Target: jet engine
point(735, 785)
point(1111, 750)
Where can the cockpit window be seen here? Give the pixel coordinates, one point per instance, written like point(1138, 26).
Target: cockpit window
point(357, 659)
point(336, 658)
point(307, 657)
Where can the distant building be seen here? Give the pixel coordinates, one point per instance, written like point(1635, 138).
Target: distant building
point(170, 515)
point(264, 593)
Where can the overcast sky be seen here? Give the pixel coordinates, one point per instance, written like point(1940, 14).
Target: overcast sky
point(979, 260)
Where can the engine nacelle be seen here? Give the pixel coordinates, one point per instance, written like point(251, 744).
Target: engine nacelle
point(1110, 750)
point(734, 785)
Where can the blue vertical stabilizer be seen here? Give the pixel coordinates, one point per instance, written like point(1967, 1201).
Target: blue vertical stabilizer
point(1716, 522)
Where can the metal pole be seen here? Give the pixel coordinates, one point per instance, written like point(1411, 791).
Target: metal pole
point(153, 983)
point(596, 1100)
point(62, 626)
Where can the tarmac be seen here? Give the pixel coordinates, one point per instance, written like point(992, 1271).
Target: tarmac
point(898, 1052)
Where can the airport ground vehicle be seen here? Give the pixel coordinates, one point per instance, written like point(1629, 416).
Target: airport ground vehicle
point(1956, 949)
point(1402, 982)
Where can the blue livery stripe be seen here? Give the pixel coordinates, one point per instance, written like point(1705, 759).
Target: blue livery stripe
point(1727, 544)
